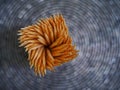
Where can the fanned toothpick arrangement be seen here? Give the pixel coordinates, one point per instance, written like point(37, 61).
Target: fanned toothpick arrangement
point(48, 44)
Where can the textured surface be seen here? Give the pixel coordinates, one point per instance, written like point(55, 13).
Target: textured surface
point(95, 28)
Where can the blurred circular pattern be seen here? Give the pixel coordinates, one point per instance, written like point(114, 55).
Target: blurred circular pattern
point(95, 28)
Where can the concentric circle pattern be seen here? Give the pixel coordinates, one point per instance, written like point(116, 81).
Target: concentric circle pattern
point(95, 29)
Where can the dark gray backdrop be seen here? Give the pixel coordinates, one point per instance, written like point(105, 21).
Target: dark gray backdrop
point(95, 28)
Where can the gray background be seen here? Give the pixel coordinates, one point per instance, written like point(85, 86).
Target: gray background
point(95, 28)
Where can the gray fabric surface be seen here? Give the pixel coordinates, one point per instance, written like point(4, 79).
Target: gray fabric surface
point(95, 28)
